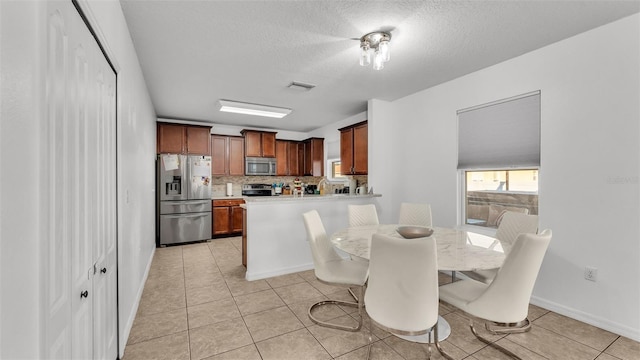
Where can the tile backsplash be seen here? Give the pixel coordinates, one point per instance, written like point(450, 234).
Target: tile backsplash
point(219, 183)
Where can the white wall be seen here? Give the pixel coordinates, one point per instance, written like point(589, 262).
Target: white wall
point(21, 108)
point(136, 160)
point(590, 163)
point(23, 43)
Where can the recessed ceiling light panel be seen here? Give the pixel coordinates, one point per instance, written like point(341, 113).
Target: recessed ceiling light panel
point(253, 109)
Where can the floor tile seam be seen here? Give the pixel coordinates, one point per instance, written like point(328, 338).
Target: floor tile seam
point(265, 310)
point(186, 307)
point(156, 337)
point(609, 346)
point(524, 347)
point(215, 322)
point(576, 341)
point(275, 336)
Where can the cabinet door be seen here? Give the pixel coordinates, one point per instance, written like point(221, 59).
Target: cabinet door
point(171, 138)
point(282, 157)
point(360, 149)
point(292, 150)
point(198, 140)
point(236, 219)
point(221, 220)
point(301, 148)
point(314, 157)
point(253, 143)
point(268, 144)
point(236, 156)
point(346, 151)
point(219, 157)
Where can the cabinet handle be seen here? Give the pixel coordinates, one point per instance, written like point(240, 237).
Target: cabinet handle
point(84, 294)
point(103, 270)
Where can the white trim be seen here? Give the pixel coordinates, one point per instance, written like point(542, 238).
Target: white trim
point(501, 101)
point(102, 39)
point(602, 323)
point(134, 309)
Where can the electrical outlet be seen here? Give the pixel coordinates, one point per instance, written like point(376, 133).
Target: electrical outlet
point(590, 273)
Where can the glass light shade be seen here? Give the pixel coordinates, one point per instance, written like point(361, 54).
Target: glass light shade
point(365, 55)
point(383, 47)
point(378, 61)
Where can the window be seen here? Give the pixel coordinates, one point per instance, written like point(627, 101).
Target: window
point(488, 194)
point(498, 158)
point(335, 169)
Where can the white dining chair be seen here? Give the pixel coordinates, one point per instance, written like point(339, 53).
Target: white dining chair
point(402, 290)
point(360, 215)
point(330, 268)
point(415, 214)
point(511, 225)
point(504, 303)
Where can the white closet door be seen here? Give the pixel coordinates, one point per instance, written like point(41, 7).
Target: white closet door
point(79, 147)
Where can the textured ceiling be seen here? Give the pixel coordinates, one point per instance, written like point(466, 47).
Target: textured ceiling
point(194, 53)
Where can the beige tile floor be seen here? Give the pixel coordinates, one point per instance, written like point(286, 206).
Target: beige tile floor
point(197, 305)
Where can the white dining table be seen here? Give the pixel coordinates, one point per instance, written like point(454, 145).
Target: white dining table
point(458, 250)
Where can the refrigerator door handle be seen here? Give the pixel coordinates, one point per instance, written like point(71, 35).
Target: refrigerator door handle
point(199, 202)
point(185, 216)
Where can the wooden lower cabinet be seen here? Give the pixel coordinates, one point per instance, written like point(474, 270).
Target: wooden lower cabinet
point(226, 217)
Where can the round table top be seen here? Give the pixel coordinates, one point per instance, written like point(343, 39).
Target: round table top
point(458, 250)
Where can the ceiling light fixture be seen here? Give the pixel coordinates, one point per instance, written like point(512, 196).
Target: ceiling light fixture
point(253, 109)
point(376, 42)
point(296, 85)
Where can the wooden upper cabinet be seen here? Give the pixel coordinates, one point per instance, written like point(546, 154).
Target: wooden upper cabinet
point(259, 143)
point(171, 138)
point(268, 144)
point(314, 157)
point(236, 155)
point(183, 139)
point(289, 158)
point(198, 140)
point(354, 149)
point(227, 155)
point(252, 143)
point(282, 157)
point(296, 158)
point(219, 156)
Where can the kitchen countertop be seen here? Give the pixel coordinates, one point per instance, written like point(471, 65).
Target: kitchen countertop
point(291, 198)
point(225, 197)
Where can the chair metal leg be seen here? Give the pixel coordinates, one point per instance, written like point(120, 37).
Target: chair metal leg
point(354, 296)
point(436, 343)
point(359, 305)
point(492, 344)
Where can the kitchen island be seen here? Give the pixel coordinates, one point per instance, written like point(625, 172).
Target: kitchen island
point(276, 238)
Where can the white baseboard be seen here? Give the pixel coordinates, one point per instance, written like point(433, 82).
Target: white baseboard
point(283, 271)
point(602, 323)
point(124, 336)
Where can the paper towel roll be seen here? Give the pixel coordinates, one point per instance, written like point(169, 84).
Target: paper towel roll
point(229, 189)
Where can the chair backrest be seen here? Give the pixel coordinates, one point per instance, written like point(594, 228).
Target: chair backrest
point(360, 215)
point(321, 248)
point(506, 299)
point(402, 291)
point(514, 224)
point(415, 214)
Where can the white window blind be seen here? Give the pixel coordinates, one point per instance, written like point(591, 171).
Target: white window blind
point(501, 134)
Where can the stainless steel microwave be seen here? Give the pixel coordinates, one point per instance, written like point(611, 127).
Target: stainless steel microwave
point(260, 166)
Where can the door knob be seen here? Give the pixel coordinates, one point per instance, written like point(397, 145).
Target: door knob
point(103, 270)
point(84, 294)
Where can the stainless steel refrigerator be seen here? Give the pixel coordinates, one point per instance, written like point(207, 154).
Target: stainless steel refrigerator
point(184, 198)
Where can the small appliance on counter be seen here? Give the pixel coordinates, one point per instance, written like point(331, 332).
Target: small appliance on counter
point(277, 188)
point(257, 190)
point(311, 189)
